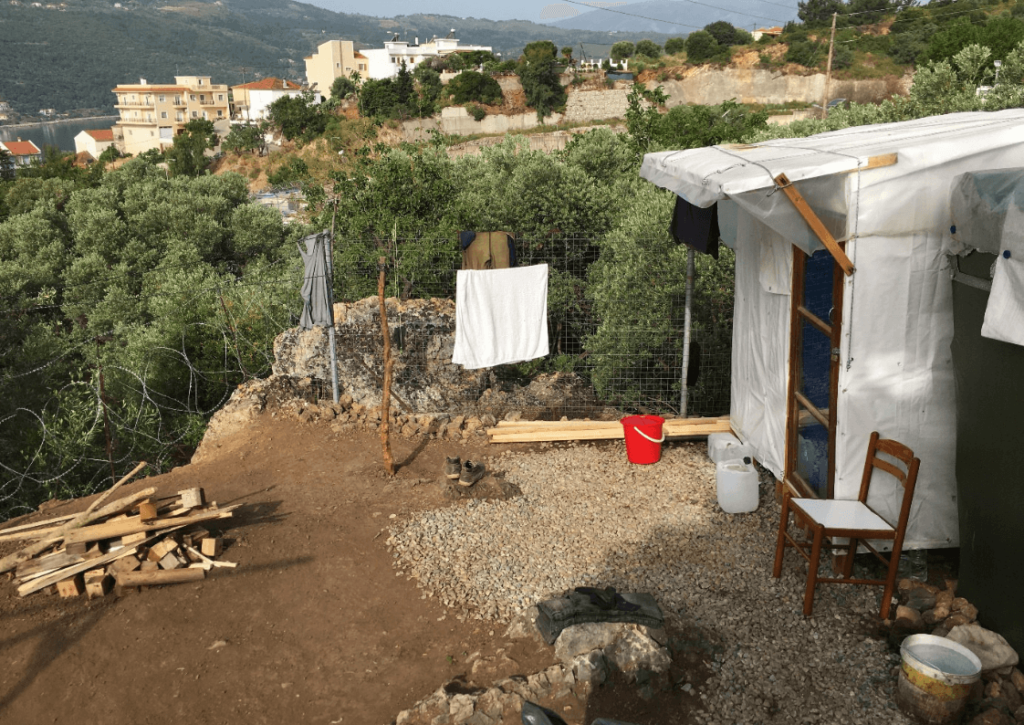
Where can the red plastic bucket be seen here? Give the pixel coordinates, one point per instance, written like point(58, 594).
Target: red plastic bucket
point(643, 438)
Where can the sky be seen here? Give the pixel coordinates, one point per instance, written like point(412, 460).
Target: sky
point(533, 10)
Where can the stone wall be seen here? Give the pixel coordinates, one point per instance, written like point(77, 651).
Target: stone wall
point(705, 85)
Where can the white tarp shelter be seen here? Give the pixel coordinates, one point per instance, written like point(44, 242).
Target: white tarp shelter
point(884, 191)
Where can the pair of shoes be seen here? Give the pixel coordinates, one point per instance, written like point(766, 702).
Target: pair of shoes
point(452, 467)
point(471, 473)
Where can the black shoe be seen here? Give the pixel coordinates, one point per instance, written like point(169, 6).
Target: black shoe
point(471, 473)
point(452, 467)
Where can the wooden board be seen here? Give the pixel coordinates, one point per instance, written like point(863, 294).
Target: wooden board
point(163, 576)
point(128, 527)
point(35, 586)
point(676, 428)
point(815, 224)
point(35, 525)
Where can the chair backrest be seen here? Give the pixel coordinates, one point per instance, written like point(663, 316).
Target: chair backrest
point(907, 479)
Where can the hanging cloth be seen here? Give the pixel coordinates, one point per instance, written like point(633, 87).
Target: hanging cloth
point(696, 227)
point(501, 316)
point(487, 250)
point(316, 307)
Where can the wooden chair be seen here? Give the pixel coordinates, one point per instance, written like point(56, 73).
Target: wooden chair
point(854, 520)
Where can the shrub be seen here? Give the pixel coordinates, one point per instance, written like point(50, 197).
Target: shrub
point(842, 57)
point(803, 52)
point(342, 87)
point(648, 48)
point(477, 112)
point(622, 50)
point(701, 46)
point(454, 63)
point(470, 86)
point(674, 46)
point(292, 171)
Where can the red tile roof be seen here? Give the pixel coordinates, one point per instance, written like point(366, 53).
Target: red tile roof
point(270, 84)
point(21, 148)
point(101, 134)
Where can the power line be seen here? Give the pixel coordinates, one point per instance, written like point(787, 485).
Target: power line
point(672, 22)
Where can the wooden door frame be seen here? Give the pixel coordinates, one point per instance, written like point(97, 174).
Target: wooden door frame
point(797, 316)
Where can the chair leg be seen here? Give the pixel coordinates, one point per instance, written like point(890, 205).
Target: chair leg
point(890, 579)
point(812, 571)
point(848, 564)
point(780, 549)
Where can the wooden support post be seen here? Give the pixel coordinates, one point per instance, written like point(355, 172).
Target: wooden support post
point(97, 583)
point(814, 222)
point(389, 463)
point(192, 498)
point(71, 587)
point(212, 546)
point(153, 578)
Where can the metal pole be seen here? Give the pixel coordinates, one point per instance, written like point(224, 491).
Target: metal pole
point(828, 68)
point(330, 302)
point(690, 269)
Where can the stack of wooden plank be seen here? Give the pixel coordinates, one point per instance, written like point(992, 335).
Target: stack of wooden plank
point(534, 431)
point(138, 540)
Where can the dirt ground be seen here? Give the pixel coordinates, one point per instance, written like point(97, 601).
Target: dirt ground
point(313, 626)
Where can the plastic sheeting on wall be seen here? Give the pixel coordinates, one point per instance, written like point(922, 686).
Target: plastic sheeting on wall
point(760, 348)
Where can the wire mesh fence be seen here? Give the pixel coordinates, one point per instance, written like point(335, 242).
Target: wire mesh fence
point(615, 324)
point(80, 404)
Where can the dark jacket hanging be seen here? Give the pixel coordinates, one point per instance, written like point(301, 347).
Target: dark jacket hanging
point(696, 227)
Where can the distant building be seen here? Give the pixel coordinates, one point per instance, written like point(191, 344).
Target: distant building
point(94, 141)
point(48, 112)
point(340, 58)
point(5, 110)
point(24, 152)
point(774, 32)
point(152, 115)
point(331, 60)
point(250, 100)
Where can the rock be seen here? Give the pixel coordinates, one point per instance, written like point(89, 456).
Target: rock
point(404, 717)
point(990, 647)
point(992, 717)
point(1012, 694)
point(969, 612)
point(488, 420)
point(955, 620)
point(993, 689)
point(489, 703)
point(944, 598)
point(658, 635)
point(920, 599)
point(940, 631)
point(538, 685)
point(513, 416)
point(958, 604)
point(1018, 714)
point(524, 626)
point(479, 718)
point(582, 638)
point(936, 615)
point(909, 618)
point(635, 651)
point(461, 708)
point(590, 667)
point(1017, 678)
point(442, 719)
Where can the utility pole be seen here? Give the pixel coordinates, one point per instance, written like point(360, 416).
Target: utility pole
point(828, 68)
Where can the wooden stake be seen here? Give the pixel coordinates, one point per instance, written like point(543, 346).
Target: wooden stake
point(828, 68)
point(385, 404)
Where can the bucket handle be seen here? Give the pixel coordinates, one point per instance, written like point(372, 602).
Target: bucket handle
point(652, 440)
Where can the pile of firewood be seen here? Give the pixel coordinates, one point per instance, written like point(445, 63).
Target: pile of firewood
point(138, 540)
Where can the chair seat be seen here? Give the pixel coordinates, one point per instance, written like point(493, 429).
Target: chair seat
point(833, 514)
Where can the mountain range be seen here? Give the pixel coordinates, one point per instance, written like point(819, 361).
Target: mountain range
point(673, 17)
point(69, 56)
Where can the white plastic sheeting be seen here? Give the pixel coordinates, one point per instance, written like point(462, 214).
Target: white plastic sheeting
point(896, 372)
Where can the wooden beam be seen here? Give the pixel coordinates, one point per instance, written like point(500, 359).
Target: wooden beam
point(52, 531)
point(822, 326)
point(163, 576)
point(810, 407)
point(876, 162)
point(814, 222)
point(113, 529)
point(34, 586)
point(679, 428)
point(35, 525)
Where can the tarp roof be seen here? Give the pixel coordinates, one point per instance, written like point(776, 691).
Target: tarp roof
point(707, 175)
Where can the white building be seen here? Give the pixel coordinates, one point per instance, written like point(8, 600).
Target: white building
point(385, 62)
point(250, 101)
point(94, 141)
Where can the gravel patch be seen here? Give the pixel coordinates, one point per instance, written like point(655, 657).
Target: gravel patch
point(588, 517)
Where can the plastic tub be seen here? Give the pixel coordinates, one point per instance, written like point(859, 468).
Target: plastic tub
point(727, 447)
point(737, 484)
point(935, 679)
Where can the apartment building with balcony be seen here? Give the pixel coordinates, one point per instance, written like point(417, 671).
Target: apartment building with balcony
point(250, 101)
point(152, 115)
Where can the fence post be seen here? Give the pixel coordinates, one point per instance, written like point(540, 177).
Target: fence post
point(690, 271)
point(329, 255)
point(385, 398)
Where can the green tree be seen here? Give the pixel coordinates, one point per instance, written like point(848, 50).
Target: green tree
point(6, 166)
point(673, 46)
point(819, 12)
point(187, 156)
point(250, 138)
point(953, 38)
point(377, 98)
point(454, 63)
point(870, 11)
point(342, 87)
point(701, 47)
point(299, 118)
point(622, 50)
point(539, 75)
point(803, 52)
point(723, 33)
point(648, 48)
point(469, 86)
point(430, 89)
point(567, 54)
point(405, 89)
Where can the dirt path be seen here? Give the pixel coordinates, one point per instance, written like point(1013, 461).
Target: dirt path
point(312, 627)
